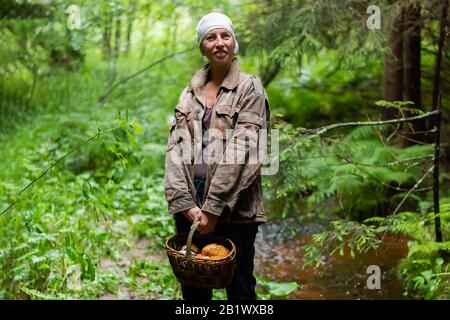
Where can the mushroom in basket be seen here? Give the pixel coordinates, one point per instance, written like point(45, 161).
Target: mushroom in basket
point(213, 251)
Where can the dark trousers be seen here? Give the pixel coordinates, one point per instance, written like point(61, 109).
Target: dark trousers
point(242, 286)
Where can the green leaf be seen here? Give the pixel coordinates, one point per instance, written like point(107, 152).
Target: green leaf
point(72, 254)
point(86, 192)
point(281, 289)
point(131, 138)
point(137, 128)
point(90, 268)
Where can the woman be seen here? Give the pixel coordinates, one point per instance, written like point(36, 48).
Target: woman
point(217, 123)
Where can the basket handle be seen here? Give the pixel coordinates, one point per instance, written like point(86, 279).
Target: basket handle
point(189, 239)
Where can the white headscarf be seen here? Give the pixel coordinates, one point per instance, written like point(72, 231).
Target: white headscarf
point(212, 21)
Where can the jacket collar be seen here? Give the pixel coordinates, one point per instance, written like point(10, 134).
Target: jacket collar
point(230, 82)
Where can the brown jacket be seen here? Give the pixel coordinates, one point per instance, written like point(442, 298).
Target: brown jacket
point(233, 189)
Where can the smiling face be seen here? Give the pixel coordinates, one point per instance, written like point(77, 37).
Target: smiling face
point(218, 47)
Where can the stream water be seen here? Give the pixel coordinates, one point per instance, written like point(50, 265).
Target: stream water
point(279, 257)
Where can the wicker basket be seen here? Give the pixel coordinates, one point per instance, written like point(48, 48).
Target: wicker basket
point(191, 271)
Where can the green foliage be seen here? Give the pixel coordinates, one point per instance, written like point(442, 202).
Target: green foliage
point(219, 294)
point(343, 236)
point(400, 106)
point(323, 91)
point(274, 290)
point(316, 170)
point(88, 208)
point(425, 272)
point(286, 31)
point(266, 290)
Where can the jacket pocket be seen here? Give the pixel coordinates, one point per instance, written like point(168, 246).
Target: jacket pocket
point(183, 111)
point(226, 110)
point(225, 120)
point(250, 117)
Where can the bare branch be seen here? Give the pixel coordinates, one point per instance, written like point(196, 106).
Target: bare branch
point(394, 163)
point(349, 160)
point(421, 132)
point(410, 139)
point(114, 86)
point(406, 197)
point(324, 129)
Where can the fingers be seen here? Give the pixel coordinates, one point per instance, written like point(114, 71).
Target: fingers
point(196, 215)
point(193, 214)
point(202, 227)
point(207, 223)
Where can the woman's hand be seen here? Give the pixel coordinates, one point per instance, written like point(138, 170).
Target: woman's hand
point(193, 214)
point(207, 222)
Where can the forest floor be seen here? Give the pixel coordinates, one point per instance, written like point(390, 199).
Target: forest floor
point(138, 251)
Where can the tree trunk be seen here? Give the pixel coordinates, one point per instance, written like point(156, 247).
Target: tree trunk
point(393, 66)
point(269, 72)
point(107, 37)
point(393, 77)
point(411, 68)
point(144, 36)
point(117, 37)
point(411, 56)
point(131, 16)
point(436, 106)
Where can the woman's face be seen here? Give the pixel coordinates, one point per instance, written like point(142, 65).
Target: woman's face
point(218, 46)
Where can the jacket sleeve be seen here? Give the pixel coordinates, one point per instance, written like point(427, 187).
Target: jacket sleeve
point(231, 177)
point(178, 155)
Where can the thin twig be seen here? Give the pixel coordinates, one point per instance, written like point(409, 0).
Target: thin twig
point(390, 186)
point(393, 163)
point(405, 197)
point(55, 181)
point(421, 132)
point(350, 161)
point(410, 139)
point(380, 136)
point(112, 87)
